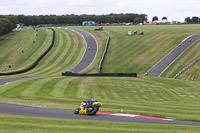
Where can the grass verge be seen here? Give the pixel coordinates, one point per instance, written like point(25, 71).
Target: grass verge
point(21, 124)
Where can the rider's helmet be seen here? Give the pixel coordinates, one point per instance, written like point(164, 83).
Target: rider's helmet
point(83, 103)
point(94, 100)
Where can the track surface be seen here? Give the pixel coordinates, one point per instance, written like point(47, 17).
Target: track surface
point(165, 62)
point(90, 51)
point(9, 80)
point(14, 109)
point(5, 38)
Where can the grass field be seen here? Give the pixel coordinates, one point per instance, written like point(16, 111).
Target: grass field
point(150, 96)
point(139, 53)
point(66, 53)
point(23, 124)
point(125, 54)
point(192, 73)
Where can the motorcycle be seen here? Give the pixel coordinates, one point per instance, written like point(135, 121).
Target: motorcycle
point(88, 108)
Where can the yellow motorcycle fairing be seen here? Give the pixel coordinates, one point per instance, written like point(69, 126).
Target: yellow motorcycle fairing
point(96, 103)
point(83, 111)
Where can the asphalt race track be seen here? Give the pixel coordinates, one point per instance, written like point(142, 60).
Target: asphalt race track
point(9, 80)
point(165, 62)
point(87, 59)
point(14, 109)
point(90, 51)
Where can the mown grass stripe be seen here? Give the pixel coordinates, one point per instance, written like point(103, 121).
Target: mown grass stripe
point(66, 57)
point(33, 88)
point(55, 55)
point(47, 87)
point(58, 89)
point(17, 90)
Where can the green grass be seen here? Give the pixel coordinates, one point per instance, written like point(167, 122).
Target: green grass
point(139, 53)
point(66, 53)
point(177, 99)
point(191, 74)
point(149, 96)
point(14, 31)
point(11, 49)
point(23, 124)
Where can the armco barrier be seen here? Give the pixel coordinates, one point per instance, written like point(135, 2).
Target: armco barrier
point(100, 74)
point(104, 55)
point(187, 67)
point(36, 62)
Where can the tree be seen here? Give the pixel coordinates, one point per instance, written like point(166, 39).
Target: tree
point(5, 26)
point(164, 18)
point(155, 18)
point(195, 19)
point(13, 20)
point(188, 20)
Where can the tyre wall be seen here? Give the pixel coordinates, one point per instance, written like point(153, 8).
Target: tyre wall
point(100, 74)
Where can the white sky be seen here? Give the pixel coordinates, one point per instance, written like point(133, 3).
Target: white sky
point(175, 9)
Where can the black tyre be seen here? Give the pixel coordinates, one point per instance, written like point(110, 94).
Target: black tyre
point(76, 111)
point(92, 112)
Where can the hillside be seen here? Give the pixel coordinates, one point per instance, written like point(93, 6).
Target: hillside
point(66, 52)
point(139, 53)
point(20, 51)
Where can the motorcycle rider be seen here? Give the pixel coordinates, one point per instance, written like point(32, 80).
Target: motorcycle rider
point(87, 103)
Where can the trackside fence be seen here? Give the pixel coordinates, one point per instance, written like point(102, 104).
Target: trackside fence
point(100, 74)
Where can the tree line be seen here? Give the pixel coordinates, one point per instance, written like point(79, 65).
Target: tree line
point(7, 24)
point(193, 20)
point(78, 19)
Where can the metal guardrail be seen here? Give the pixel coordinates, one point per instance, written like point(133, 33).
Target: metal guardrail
point(104, 55)
point(186, 68)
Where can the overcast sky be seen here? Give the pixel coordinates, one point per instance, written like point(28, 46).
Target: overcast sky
point(175, 9)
